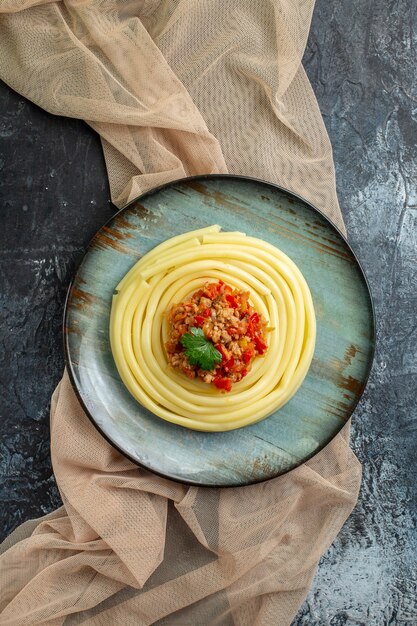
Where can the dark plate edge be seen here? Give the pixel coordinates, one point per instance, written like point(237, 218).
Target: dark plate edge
point(202, 177)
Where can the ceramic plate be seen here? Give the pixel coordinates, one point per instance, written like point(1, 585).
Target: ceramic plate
point(345, 332)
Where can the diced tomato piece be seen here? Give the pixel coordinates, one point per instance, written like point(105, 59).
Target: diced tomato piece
point(250, 329)
point(260, 344)
point(223, 383)
point(254, 318)
point(229, 364)
point(244, 373)
point(225, 356)
point(199, 320)
point(206, 313)
point(212, 290)
point(248, 355)
point(231, 300)
point(227, 289)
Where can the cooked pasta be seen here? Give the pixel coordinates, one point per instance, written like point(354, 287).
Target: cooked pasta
point(174, 270)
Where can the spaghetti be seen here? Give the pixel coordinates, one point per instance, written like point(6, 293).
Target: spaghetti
point(174, 270)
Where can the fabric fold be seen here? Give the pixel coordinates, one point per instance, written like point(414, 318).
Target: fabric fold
point(173, 88)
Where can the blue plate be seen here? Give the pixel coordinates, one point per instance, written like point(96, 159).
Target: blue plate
point(345, 332)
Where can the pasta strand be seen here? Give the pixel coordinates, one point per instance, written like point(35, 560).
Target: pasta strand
point(171, 272)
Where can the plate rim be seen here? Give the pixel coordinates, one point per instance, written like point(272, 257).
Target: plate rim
point(151, 192)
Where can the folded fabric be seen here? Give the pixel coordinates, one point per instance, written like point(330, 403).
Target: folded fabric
point(174, 88)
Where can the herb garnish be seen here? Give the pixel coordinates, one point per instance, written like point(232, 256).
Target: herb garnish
point(199, 350)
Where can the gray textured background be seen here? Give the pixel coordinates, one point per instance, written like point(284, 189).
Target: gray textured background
point(361, 59)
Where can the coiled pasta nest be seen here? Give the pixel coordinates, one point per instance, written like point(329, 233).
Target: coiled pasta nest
point(173, 270)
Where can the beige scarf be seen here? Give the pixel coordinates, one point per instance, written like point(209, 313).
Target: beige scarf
point(174, 88)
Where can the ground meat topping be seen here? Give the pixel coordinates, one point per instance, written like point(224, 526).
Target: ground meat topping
point(229, 321)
